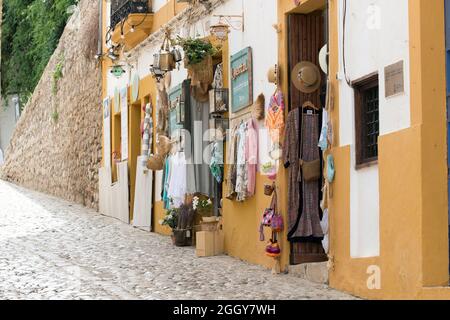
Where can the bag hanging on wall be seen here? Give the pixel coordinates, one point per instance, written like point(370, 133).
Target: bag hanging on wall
point(308, 170)
point(268, 216)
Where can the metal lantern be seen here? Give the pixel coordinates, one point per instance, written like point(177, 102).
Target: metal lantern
point(218, 100)
point(220, 31)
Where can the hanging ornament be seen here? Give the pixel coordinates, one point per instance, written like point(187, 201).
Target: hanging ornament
point(117, 70)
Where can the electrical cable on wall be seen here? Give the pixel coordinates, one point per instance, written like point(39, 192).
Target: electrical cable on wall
point(347, 79)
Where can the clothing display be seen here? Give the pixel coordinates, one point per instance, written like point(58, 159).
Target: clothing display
point(251, 156)
point(241, 167)
point(242, 161)
point(216, 164)
point(147, 133)
point(303, 197)
point(232, 167)
point(275, 117)
point(200, 147)
point(178, 175)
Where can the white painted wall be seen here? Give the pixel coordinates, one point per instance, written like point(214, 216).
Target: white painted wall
point(158, 4)
point(376, 36)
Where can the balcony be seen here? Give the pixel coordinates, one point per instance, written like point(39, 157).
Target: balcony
point(121, 9)
point(131, 21)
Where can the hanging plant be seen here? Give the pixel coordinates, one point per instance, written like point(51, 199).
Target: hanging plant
point(195, 50)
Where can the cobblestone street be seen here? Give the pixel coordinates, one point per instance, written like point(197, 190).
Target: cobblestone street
point(52, 249)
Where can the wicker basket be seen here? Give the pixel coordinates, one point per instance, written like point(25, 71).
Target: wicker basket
point(155, 162)
point(201, 72)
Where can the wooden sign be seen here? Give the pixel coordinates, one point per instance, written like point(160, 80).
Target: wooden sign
point(241, 80)
point(394, 79)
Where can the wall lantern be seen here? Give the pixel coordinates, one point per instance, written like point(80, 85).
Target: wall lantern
point(218, 100)
point(220, 30)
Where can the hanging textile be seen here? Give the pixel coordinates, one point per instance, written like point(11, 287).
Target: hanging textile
point(216, 164)
point(304, 219)
point(200, 146)
point(275, 117)
point(251, 156)
point(232, 167)
point(241, 167)
point(147, 133)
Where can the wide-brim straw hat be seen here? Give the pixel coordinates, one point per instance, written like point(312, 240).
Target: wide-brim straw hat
point(306, 77)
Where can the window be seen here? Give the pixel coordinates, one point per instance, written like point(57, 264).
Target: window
point(367, 125)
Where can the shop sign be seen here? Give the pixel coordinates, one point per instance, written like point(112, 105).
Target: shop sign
point(241, 80)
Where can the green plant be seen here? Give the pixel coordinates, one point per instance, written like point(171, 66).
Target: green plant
point(57, 74)
point(30, 33)
point(171, 218)
point(195, 50)
point(202, 206)
point(55, 115)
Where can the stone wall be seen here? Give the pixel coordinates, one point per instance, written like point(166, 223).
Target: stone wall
point(56, 146)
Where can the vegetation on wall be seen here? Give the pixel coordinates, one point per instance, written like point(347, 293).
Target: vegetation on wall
point(30, 33)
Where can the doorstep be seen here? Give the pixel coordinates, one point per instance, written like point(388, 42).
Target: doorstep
point(314, 272)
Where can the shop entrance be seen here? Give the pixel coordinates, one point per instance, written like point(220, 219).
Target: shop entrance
point(447, 53)
point(306, 37)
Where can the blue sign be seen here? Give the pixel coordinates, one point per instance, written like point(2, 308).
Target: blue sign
point(241, 79)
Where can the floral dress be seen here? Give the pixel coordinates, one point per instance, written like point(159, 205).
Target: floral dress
point(241, 172)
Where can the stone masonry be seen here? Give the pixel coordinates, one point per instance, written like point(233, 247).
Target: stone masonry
point(56, 146)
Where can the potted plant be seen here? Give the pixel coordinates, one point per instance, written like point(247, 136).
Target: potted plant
point(198, 58)
point(204, 207)
point(171, 220)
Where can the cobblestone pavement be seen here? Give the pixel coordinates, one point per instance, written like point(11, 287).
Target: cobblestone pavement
point(52, 249)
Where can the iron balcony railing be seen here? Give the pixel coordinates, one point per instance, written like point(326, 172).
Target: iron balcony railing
point(121, 9)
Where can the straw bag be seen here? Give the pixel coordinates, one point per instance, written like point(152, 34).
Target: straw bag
point(258, 108)
point(155, 162)
point(308, 170)
point(201, 72)
point(164, 145)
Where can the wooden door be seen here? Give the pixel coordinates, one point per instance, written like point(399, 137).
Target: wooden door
point(306, 36)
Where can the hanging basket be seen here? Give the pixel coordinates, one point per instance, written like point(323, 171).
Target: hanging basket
point(155, 162)
point(201, 72)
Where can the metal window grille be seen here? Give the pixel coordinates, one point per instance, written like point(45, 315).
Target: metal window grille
point(121, 9)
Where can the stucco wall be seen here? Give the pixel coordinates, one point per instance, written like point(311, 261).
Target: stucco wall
point(62, 157)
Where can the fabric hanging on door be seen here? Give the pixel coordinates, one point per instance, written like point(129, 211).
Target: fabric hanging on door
point(200, 146)
point(303, 200)
point(251, 156)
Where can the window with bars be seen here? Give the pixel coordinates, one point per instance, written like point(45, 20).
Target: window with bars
point(367, 124)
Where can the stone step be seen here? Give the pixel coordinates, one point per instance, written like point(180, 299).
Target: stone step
point(314, 272)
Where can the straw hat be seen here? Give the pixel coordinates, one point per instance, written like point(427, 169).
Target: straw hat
point(306, 77)
point(273, 75)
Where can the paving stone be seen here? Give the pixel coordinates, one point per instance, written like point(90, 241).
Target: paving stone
point(54, 249)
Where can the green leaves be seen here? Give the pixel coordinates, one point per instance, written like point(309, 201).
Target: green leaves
point(195, 50)
point(30, 33)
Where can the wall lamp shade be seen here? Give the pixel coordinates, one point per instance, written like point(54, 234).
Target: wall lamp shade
point(220, 30)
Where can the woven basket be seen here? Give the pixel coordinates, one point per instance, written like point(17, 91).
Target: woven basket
point(164, 145)
point(201, 72)
point(155, 162)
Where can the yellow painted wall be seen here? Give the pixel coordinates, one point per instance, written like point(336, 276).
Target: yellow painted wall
point(413, 183)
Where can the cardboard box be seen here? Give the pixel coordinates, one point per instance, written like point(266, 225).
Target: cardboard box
point(205, 243)
point(209, 243)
